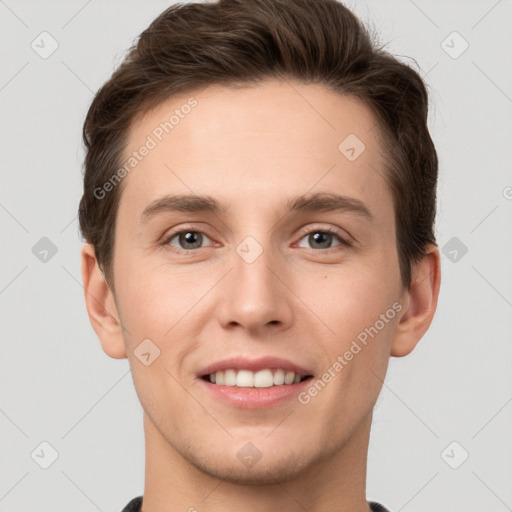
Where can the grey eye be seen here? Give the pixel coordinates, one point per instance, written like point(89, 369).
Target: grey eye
point(321, 239)
point(188, 239)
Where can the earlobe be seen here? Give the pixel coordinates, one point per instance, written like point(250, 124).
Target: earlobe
point(422, 299)
point(101, 306)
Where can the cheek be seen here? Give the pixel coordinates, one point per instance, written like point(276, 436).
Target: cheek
point(159, 306)
point(347, 299)
point(155, 298)
point(358, 308)
point(357, 339)
point(164, 307)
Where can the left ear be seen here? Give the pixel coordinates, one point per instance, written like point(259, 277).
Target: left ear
point(420, 302)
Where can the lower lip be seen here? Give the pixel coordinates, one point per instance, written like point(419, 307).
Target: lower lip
point(254, 398)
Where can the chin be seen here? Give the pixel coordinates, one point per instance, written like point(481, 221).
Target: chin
point(266, 471)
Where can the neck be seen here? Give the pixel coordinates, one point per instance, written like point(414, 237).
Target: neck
point(173, 484)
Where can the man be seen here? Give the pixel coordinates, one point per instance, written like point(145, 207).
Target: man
point(258, 211)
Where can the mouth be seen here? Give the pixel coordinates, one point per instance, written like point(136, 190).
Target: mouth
point(265, 378)
point(254, 383)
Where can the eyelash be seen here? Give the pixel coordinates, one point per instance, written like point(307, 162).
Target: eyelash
point(343, 242)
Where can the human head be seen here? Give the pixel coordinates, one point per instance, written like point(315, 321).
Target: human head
point(243, 141)
point(241, 42)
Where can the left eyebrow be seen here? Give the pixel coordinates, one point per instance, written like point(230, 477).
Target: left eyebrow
point(323, 201)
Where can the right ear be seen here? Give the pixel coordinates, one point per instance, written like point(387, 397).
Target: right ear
point(101, 306)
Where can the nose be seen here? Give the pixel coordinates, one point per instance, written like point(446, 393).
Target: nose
point(255, 295)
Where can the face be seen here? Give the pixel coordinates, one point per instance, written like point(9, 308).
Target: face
point(279, 264)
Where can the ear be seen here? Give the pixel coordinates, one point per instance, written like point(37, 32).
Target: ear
point(420, 303)
point(101, 306)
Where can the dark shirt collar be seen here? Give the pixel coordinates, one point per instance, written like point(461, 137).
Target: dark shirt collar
point(136, 503)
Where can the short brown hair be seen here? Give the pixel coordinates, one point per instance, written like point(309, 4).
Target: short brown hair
point(237, 42)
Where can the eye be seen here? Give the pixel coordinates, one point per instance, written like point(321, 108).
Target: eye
point(323, 239)
point(187, 239)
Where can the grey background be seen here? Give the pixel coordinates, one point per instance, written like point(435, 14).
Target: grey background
point(57, 385)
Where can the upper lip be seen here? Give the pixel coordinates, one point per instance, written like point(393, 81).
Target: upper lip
point(262, 363)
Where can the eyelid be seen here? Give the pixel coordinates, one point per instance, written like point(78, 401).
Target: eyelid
point(344, 237)
point(183, 228)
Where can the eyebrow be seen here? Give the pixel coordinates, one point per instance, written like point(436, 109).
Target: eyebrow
point(320, 201)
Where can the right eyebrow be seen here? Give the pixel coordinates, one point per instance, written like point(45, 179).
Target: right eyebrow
point(181, 203)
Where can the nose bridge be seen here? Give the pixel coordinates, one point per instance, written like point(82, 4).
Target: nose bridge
point(252, 264)
point(252, 274)
point(255, 296)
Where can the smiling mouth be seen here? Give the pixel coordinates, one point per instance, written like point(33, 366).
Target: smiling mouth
point(261, 379)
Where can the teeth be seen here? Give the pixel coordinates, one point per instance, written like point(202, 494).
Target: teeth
point(288, 378)
point(278, 377)
point(230, 378)
point(263, 379)
point(245, 379)
point(248, 379)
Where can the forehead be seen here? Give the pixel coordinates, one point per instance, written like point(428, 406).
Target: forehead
point(278, 138)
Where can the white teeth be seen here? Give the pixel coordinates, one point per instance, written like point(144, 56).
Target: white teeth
point(263, 379)
point(279, 377)
point(230, 378)
point(245, 379)
point(248, 379)
point(288, 378)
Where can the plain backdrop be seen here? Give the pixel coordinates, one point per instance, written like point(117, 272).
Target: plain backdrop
point(441, 435)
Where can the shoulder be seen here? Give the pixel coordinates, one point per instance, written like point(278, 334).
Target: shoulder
point(134, 505)
point(377, 507)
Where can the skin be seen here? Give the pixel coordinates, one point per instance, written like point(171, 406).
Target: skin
point(252, 149)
